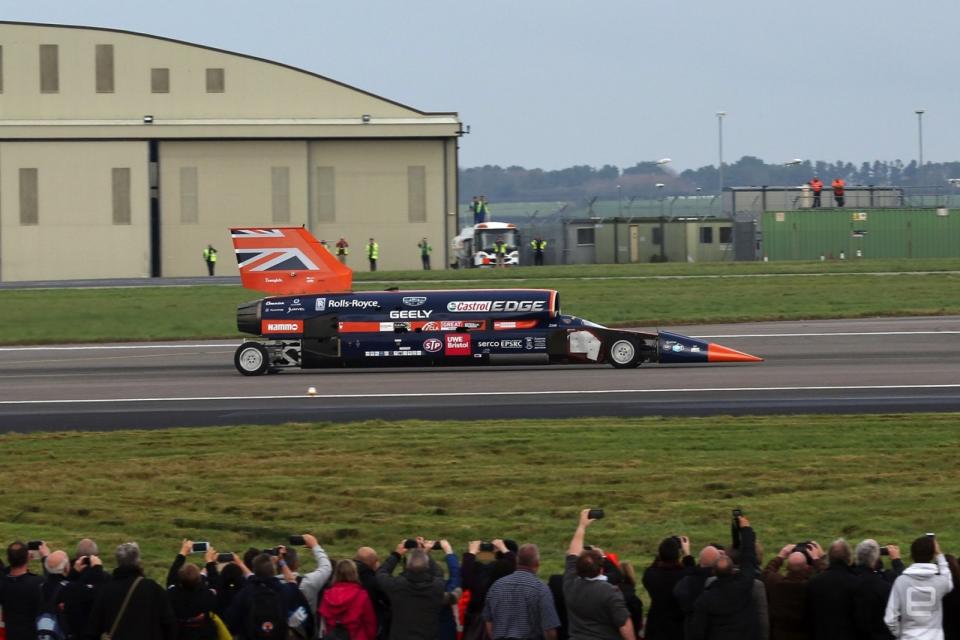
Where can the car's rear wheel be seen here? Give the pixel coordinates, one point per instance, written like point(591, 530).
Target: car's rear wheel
point(251, 359)
point(623, 354)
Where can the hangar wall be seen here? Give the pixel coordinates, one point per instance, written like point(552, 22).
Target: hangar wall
point(73, 210)
point(236, 140)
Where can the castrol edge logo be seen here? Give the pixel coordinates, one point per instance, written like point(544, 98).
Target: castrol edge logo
point(468, 306)
point(281, 326)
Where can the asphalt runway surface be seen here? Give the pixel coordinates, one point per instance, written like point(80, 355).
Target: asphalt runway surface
point(881, 365)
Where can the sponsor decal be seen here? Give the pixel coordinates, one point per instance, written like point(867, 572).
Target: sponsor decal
point(387, 354)
point(281, 326)
point(414, 301)
point(320, 304)
point(457, 344)
point(502, 344)
point(528, 344)
point(461, 306)
point(274, 303)
point(274, 310)
point(363, 305)
point(296, 301)
point(452, 325)
point(292, 309)
point(273, 280)
point(432, 345)
point(421, 314)
point(386, 326)
point(430, 326)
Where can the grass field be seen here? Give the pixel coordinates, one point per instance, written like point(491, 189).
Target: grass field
point(888, 477)
point(602, 293)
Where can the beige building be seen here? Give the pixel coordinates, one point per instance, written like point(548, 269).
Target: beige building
point(124, 154)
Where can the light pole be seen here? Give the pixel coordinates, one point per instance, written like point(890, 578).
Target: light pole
point(720, 115)
point(663, 226)
point(919, 113)
point(619, 201)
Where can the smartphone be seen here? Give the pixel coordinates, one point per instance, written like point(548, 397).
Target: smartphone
point(200, 547)
point(929, 535)
point(34, 545)
point(225, 557)
point(737, 513)
point(884, 551)
point(437, 546)
point(595, 514)
point(410, 543)
point(297, 541)
point(85, 561)
point(272, 552)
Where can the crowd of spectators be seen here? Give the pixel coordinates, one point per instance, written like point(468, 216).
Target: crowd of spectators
point(492, 592)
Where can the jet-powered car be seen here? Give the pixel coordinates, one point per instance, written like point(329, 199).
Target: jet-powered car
point(312, 319)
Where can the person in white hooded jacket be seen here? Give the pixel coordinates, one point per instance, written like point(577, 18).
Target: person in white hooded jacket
point(914, 610)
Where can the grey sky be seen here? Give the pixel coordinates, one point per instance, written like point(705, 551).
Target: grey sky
point(552, 83)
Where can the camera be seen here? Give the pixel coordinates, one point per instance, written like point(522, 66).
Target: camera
point(272, 552)
point(486, 546)
point(85, 561)
point(595, 514)
point(436, 546)
point(34, 545)
point(225, 557)
point(200, 547)
point(802, 547)
point(410, 543)
point(297, 541)
point(884, 551)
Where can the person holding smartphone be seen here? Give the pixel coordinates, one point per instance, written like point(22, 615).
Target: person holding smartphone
point(915, 608)
point(20, 595)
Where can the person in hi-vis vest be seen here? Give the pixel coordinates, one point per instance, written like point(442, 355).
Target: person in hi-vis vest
point(373, 253)
point(210, 257)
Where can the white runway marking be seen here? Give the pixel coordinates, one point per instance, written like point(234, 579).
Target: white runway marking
point(89, 347)
point(471, 394)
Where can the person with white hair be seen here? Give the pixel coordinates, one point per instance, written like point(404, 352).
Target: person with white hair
point(147, 614)
point(873, 589)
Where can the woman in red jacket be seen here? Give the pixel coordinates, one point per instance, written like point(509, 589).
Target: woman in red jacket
point(346, 604)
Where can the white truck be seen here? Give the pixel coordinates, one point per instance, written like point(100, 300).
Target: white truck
point(474, 246)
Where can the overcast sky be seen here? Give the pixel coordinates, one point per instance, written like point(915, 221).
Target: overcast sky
point(553, 83)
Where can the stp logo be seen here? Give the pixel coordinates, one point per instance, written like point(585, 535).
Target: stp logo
point(432, 345)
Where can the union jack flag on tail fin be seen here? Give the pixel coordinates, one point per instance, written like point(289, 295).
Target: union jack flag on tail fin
point(287, 261)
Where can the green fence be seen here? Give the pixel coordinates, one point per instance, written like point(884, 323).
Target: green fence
point(867, 233)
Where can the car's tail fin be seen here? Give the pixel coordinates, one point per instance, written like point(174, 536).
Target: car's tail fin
point(287, 261)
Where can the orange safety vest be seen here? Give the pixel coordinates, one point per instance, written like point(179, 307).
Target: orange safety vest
point(817, 185)
point(838, 185)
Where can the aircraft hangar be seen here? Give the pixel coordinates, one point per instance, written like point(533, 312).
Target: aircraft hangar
point(125, 154)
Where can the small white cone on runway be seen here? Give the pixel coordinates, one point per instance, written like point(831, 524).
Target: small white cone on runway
point(311, 391)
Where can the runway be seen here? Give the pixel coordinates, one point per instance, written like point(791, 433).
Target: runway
point(836, 366)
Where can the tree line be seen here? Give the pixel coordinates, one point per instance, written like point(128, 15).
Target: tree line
point(517, 184)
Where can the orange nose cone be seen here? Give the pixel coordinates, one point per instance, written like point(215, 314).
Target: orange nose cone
point(719, 353)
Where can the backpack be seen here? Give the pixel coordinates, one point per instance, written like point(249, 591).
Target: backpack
point(338, 632)
point(266, 617)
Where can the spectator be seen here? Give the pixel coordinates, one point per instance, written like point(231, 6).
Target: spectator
point(56, 567)
point(373, 253)
point(538, 245)
point(265, 607)
point(817, 186)
point(425, 250)
point(77, 598)
point(914, 609)
point(873, 588)
point(555, 584)
point(595, 609)
point(951, 603)
point(310, 584)
point(838, 185)
point(726, 609)
point(20, 594)
point(787, 594)
point(520, 605)
point(690, 587)
point(147, 614)
point(229, 583)
point(368, 562)
point(449, 619)
point(830, 596)
point(190, 595)
point(343, 250)
point(665, 619)
point(416, 595)
point(346, 604)
point(477, 577)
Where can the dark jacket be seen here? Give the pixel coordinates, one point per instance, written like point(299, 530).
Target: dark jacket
point(830, 603)
point(665, 618)
point(379, 600)
point(687, 591)
point(21, 599)
point(291, 599)
point(78, 597)
point(191, 608)
point(148, 615)
point(726, 609)
point(595, 608)
point(870, 602)
point(415, 601)
point(951, 603)
point(634, 605)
